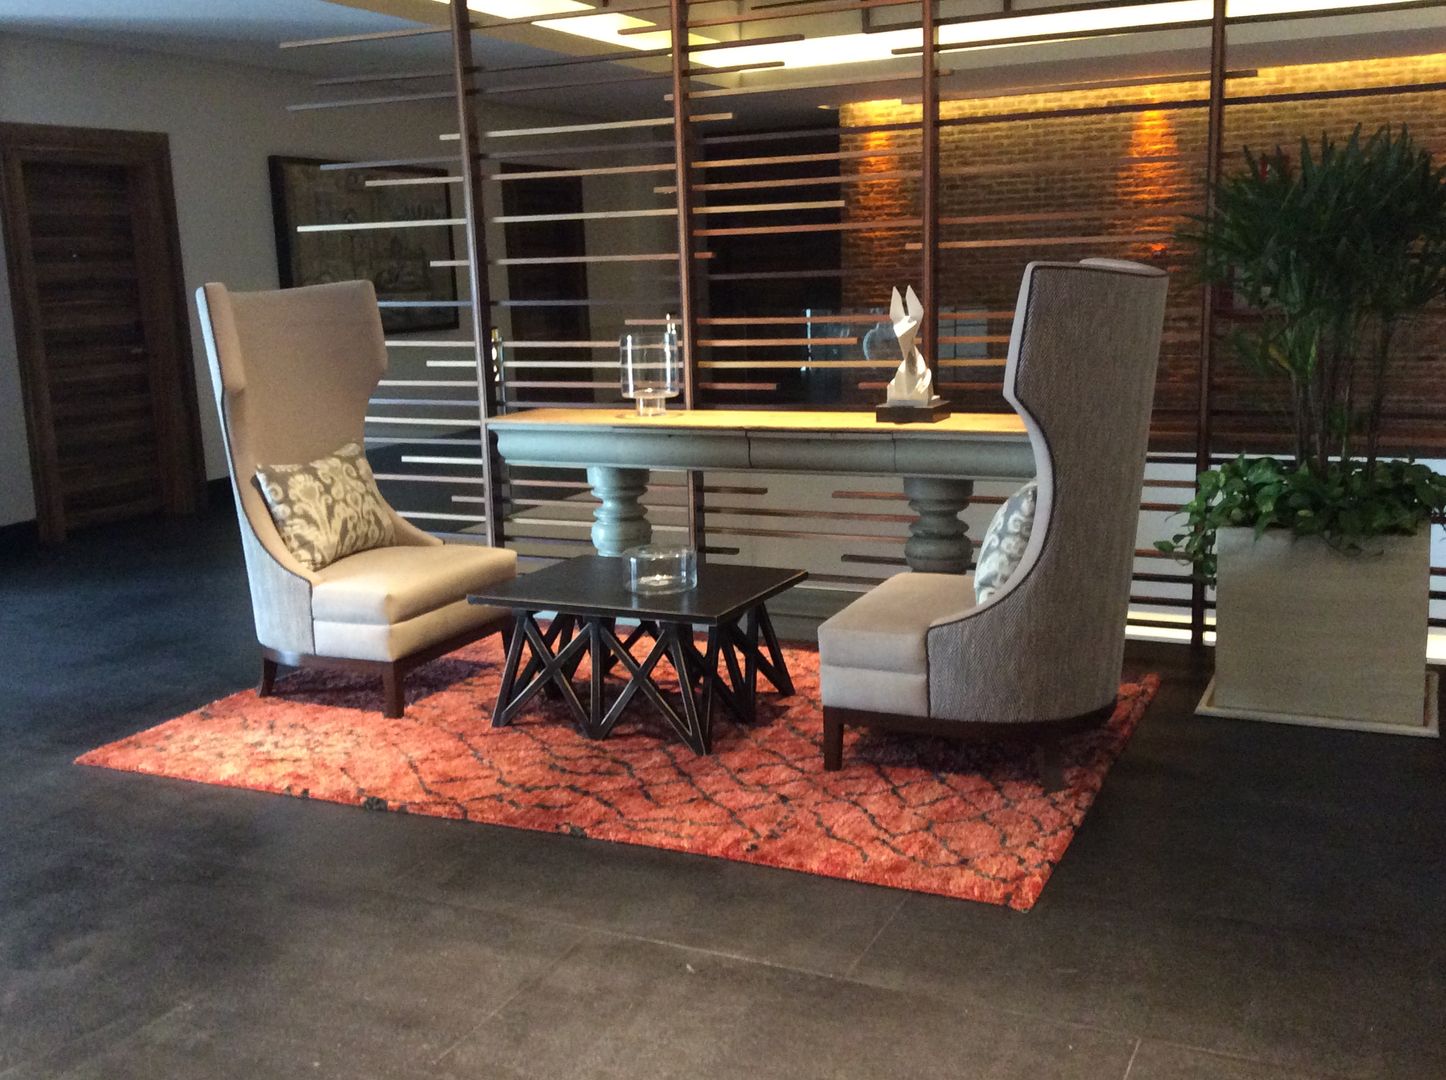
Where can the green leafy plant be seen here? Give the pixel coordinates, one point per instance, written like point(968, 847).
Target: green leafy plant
point(1345, 505)
point(1331, 249)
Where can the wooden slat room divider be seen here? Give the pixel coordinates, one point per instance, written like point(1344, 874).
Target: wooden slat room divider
point(772, 242)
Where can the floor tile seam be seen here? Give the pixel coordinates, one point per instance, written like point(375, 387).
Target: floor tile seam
point(983, 1006)
point(151, 1019)
point(981, 1009)
point(310, 888)
point(613, 932)
point(1102, 1029)
point(625, 935)
point(525, 985)
point(720, 954)
point(216, 999)
point(893, 914)
point(381, 891)
point(1394, 944)
point(977, 1006)
point(1247, 1059)
point(1134, 1053)
point(482, 908)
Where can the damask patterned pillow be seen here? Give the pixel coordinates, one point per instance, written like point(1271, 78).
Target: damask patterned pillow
point(1004, 542)
point(327, 509)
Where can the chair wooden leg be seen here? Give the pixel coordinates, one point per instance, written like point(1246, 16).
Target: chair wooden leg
point(394, 703)
point(1049, 763)
point(832, 742)
point(268, 677)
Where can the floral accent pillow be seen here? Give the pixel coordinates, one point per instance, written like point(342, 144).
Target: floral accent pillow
point(327, 509)
point(1004, 542)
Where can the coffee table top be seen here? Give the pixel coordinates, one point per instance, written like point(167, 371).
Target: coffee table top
point(597, 585)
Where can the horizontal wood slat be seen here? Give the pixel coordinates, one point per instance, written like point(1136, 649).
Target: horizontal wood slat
point(367, 102)
point(882, 224)
point(652, 76)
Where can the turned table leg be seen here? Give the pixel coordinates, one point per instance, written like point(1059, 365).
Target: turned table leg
point(621, 522)
point(938, 541)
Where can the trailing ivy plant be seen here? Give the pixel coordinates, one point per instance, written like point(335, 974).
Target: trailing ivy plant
point(1346, 505)
point(1331, 249)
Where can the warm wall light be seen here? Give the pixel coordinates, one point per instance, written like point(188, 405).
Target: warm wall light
point(871, 48)
point(1150, 175)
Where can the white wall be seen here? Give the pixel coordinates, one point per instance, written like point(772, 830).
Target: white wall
point(223, 122)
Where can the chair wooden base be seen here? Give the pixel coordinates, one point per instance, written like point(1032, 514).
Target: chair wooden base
point(393, 673)
point(1045, 734)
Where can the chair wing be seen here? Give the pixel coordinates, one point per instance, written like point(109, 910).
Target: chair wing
point(293, 371)
point(1081, 372)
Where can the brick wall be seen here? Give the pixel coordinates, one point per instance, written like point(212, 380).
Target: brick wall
point(1117, 184)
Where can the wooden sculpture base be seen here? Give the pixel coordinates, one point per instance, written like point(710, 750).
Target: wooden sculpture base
point(931, 413)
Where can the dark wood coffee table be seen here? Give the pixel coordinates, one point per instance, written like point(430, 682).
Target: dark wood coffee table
point(589, 595)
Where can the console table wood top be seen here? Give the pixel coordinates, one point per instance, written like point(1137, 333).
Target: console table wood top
point(764, 420)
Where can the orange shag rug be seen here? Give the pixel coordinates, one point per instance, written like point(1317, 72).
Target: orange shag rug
point(961, 820)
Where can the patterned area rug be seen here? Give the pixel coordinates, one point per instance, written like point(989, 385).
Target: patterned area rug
point(968, 821)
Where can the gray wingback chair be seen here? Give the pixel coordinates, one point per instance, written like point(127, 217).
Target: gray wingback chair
point(293, 371)
point(1043, 655)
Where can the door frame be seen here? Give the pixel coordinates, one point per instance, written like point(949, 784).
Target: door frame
point(161, 298)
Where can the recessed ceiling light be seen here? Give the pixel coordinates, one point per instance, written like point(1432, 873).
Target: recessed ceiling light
point(875, 47)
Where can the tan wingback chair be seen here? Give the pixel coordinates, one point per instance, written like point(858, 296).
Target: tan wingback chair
point(1043, 654)
point(293, 372)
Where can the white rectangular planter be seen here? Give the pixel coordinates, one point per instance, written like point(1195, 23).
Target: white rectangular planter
point(1309, 634)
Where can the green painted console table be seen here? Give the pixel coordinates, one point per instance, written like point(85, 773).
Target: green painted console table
point(939, 462)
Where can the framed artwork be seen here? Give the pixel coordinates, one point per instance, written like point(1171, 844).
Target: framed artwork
point(396, 261)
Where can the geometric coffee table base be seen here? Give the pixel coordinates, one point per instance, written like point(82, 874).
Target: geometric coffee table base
point(590, 598)
point(557, 652)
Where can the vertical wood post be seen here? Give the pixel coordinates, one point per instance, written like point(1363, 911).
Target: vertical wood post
point(479, 291)
point(688, 315)
point(1214, 142)
point(929, 193)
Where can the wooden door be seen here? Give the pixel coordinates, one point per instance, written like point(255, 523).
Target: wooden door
point(101, 325)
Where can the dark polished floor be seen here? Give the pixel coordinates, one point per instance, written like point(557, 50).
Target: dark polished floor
point(1244, 901)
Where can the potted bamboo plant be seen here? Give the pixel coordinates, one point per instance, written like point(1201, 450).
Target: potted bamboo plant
point(1321, 559)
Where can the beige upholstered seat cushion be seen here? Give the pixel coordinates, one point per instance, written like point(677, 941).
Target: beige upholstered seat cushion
point(393, 584)
point(873, 655)
point(391, 641)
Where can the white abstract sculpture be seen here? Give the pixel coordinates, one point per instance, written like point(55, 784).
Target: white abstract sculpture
point(911, 391)
point(913, 383)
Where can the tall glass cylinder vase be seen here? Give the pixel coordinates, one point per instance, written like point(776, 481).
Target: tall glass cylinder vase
point(652, 368)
